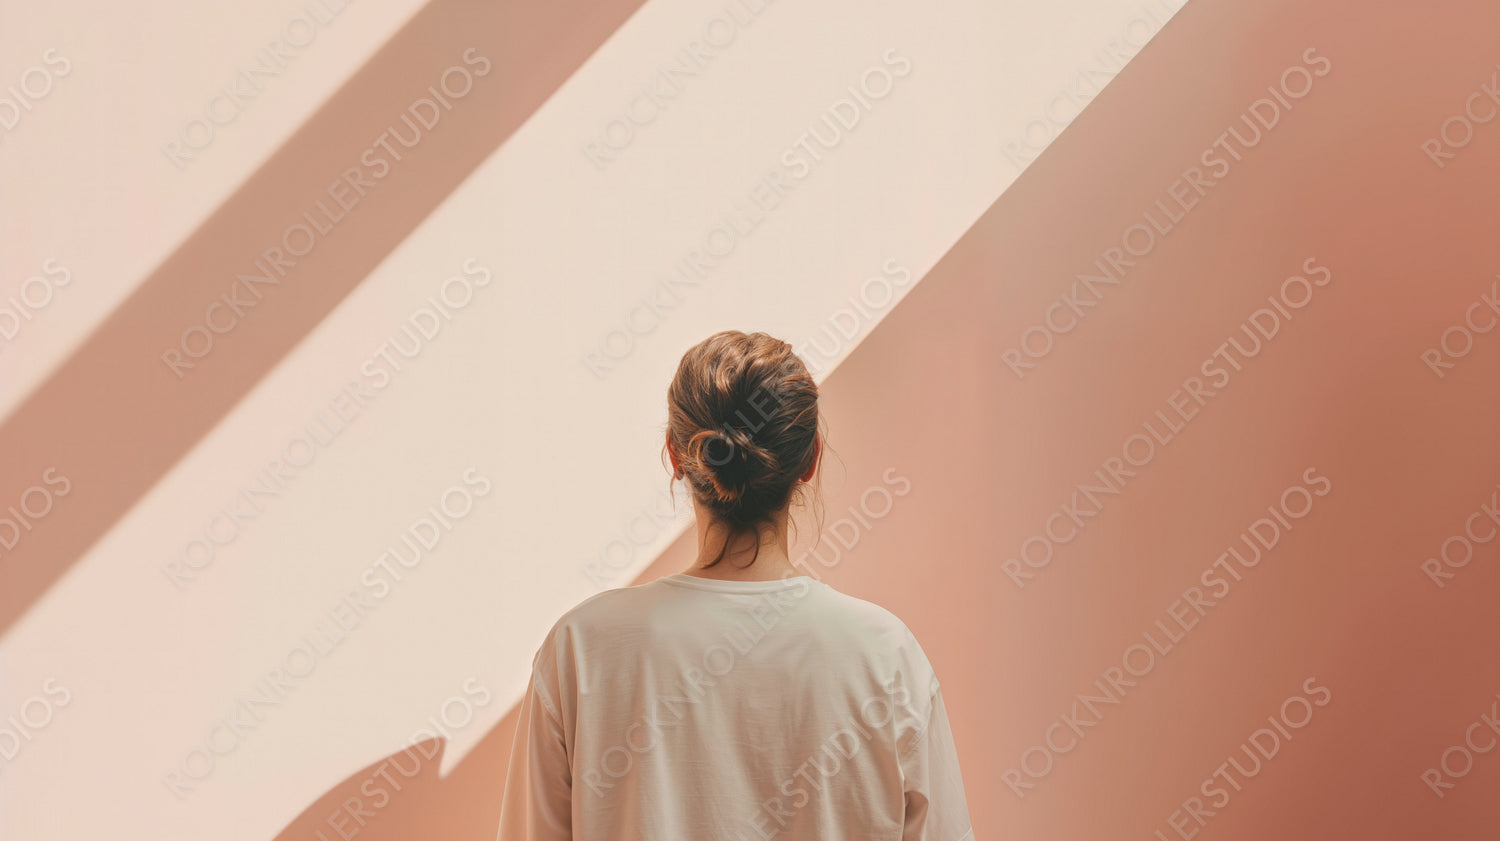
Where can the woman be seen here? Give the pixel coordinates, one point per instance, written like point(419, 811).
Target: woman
point(741, 699)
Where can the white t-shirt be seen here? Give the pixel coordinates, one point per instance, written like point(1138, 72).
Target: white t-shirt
point(695, 709)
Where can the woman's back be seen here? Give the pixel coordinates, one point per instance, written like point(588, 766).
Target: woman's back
point(700, 708)
point(742, 701)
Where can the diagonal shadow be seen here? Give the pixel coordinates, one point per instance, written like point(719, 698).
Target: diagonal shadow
point(114, 417)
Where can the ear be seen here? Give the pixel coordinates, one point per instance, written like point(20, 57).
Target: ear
point(672, 454)
point(817, 457)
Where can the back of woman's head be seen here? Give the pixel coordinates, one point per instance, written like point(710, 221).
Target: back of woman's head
point(742, 419)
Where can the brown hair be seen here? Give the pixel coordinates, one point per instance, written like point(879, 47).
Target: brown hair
point(742, 419)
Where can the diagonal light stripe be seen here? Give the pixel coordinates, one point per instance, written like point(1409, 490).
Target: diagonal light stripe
point(87, 182)
point(302, 202)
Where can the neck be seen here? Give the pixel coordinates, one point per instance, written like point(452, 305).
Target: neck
point(772, 563)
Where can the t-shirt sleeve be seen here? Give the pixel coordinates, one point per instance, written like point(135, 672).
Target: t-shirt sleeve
point(537, 802)
point(936, 809)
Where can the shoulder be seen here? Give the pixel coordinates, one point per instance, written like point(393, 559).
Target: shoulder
point(868, 615)
point(598, 619)
point(886, 636)
point(607, 609)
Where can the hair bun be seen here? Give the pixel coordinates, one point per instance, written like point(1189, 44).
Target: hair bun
point(726, 454)
point(719, 449)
